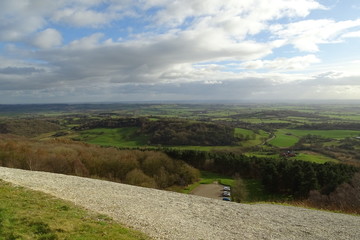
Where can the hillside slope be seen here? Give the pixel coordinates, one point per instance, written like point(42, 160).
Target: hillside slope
point(169, 215)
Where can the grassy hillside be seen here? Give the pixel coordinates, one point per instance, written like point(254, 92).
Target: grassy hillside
point(117, 137)
point(289, 137)
point(314, 157)
point(26, 214)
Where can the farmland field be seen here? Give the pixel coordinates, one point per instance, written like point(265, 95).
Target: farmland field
point(289, 137)
point(333, 134)
point(283, 139)
point(314, 157)
point(117, 137)
point(250, 138)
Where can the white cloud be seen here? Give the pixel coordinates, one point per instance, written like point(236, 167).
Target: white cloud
point(355, 34)
point(88, 42)
point(176, 13)
point(47, 39)
point(199, 47)
point(308, 34)
point(295, 63)
point(20, 18)
point(17, 29)
point(83, 17)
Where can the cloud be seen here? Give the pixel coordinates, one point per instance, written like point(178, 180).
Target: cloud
point(160, 59)
point(88, 42)
point(83, 17)
point(355, 34)
point(176, 13)
point(19, 70)
point(47, 39)
point(19, 19)
point(308, 34)
point(176, 49)
point(295, 63)
point(262, 87)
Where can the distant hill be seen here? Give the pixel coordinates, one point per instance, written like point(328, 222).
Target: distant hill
point(27, 127)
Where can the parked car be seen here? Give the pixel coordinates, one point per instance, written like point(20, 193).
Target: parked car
point(226, 194)
point(226, 199)
point(226, 188)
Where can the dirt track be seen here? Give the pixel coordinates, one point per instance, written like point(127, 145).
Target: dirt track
point(212, 190)
point(169, 215)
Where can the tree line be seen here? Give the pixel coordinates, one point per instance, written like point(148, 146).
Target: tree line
point(330, 126)
point(143, 168)
point(278, 176)
point(169, 132)
point(179, 132)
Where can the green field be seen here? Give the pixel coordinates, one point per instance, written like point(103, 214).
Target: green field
point(289, 137)
point(117, 137)
point(27, 214)
point(314, 157)
point(333, 134)
point(263, 120)
point(243, 131)
point(198, 148)
point(207, 178)
point(254, 139)
point(283, 139)
point(255, 189)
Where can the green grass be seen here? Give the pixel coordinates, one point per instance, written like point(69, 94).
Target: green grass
point(204, 148)
point(207, 178)
point(117, 137)
point(288, 137)
point(254, 138)
point(314, 157)
point(282, 139)
point(262, 155)
point(27, 214)
point(245, 132)
point(254, 187)
point(333, 134)
point(263, 120)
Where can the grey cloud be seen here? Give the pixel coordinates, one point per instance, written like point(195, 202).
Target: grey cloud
point(234, 89)
point(20, 70)
point(333, 79)
point(141, 62)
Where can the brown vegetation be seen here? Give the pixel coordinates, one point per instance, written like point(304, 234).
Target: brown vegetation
point(143, 168)
point(27, 127)
point(345, 198)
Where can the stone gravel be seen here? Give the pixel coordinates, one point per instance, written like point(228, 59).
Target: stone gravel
point(169, 215)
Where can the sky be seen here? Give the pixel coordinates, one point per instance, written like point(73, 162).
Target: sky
point(160, 50)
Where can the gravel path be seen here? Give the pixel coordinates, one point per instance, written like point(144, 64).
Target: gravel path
point(168, 215)
point(212, 190)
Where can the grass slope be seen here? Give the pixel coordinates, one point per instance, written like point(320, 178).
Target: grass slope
point(283, 139)
point(314, 157)
point(333, 134)
point(27, 214)
point(288, 137)
point(117, 137)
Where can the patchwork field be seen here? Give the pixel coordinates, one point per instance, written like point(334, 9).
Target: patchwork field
point(289, 137)
point(314, 157)
point(283, 139)
point(117, 137)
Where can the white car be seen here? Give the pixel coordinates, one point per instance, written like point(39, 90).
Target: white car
point(226, 194)
point(226, 188)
